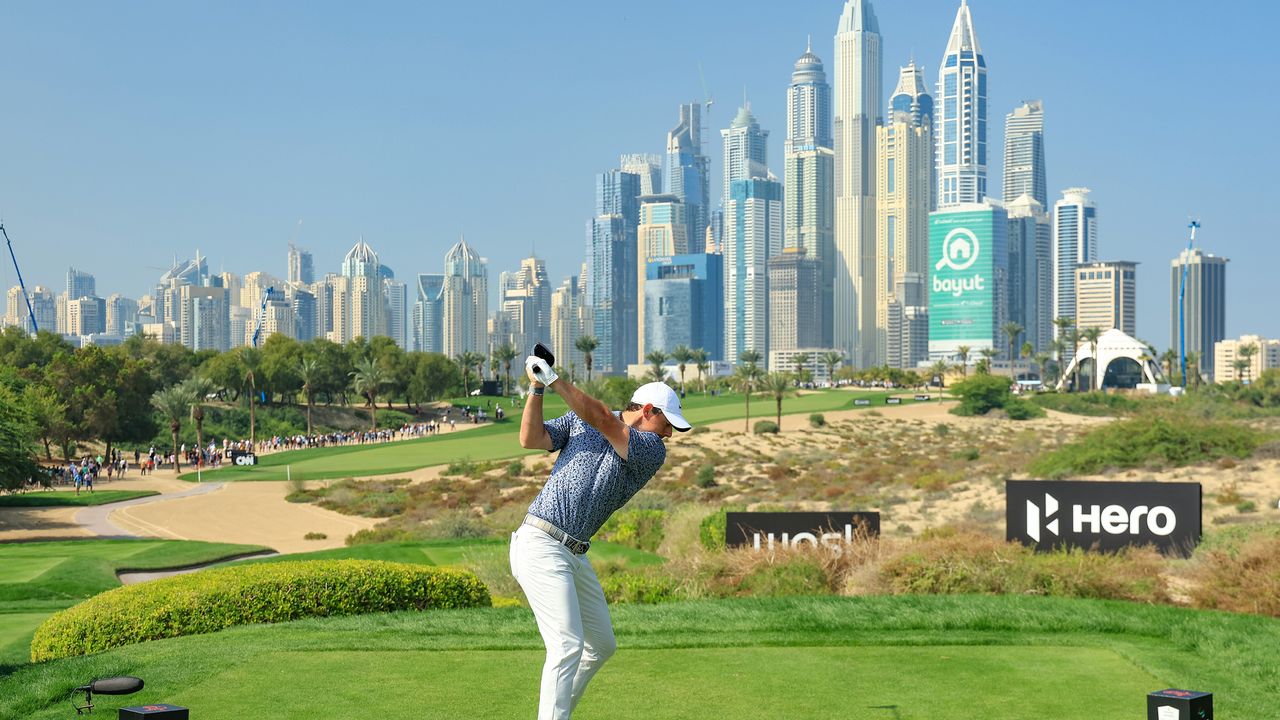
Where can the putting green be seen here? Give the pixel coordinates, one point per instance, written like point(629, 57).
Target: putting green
point(1058, 682)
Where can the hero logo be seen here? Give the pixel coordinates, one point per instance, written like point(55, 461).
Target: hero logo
point(960, 250)
point(1112, 519)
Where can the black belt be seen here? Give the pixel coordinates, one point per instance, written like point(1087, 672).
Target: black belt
point(575, 546)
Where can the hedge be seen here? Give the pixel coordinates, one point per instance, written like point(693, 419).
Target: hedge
point(220, 598)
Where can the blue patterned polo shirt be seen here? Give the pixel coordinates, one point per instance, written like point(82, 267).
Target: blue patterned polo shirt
point(590, 480)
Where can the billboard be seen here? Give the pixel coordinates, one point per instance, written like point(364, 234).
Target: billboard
point(968, 264)
point(765, 530)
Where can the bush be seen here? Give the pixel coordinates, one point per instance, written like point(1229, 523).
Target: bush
point(817, 420)
point(796, 576)
point(706, 476)
point(1243, 579)
point(1093, 404)
point(1019, 409)
point(711, 529)
point(315, 536)
point(217, 599)
point(630, 587)
point(765, 426)
point(981, 394)
point(637, 528)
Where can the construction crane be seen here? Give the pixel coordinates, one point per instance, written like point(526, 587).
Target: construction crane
point(1182, 304)
point(708, 100)
point(262, 314)
point(32, 313)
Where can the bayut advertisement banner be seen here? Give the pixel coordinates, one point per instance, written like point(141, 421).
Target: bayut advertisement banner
point(967, 263)
point(1104, 516)
point(767, 530)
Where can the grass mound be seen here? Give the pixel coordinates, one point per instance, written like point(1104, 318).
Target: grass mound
point(1092, 404)
point(1154, 441)
point(213, 600)
point(54, 498)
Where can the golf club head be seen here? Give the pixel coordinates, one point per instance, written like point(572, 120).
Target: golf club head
point(541, 352)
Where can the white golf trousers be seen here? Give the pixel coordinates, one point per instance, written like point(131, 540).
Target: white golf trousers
point(572, 615)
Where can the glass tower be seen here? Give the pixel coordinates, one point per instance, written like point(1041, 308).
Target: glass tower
point(686, 174)
point(1024, 172)
point(961, 119)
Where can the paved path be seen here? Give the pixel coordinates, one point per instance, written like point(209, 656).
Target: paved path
point(97, 519)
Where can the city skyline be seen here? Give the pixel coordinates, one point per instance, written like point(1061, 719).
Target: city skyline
point(112, 155)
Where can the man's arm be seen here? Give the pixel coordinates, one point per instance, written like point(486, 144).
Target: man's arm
point(594, 413)
point(533, 433)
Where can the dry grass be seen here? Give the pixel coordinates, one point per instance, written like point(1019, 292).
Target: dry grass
point(1246, 579)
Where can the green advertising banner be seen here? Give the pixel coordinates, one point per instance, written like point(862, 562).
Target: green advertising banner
point(963, 249)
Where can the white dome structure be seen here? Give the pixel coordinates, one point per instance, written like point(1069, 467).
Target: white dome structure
point(1124, 362)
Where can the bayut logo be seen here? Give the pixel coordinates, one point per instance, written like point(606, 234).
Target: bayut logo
point(1111, 520)
point(960, 250)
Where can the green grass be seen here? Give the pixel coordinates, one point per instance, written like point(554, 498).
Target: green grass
point(498, 441)
point(61, 498)
point(999, 658)
point(40, 578)
point(457, 552)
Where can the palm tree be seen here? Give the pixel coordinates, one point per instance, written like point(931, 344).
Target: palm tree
point(586, 345)
point(1246, 352)
point(199, 388)
point(1240, 365)
point(682, 355)
point(368, 379)
point(1012, 330)
point(505, 354)
point(1066, 334)
point(1091, 336)
point(1167, 359)
point(940, 369)
point(779, 385)
point(799, 360)
point(466, 361)
point(701, 360)
point(655, 358)
point(984, 365)
point(309, 371)
point(831, 359)
point(963, 353)
point(173, 403)
point(1042, 361)
point(250, 363)
point(745, 378)
point(1193, 369)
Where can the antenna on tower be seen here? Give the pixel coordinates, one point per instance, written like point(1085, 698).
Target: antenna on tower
point(708, 100)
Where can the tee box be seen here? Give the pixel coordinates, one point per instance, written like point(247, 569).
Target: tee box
point(1180, 705)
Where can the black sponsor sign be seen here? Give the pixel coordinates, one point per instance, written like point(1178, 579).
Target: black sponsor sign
point(243, 458)
point(893, 401)
point(862, 401)
point(922, 398)
point(1105, 516)
point(1175, 704)
point(764, 530)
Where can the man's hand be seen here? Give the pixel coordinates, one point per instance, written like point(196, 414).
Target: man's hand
point(538, 370)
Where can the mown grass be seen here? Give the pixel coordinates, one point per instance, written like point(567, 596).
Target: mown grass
point(64, 498)
point(997, 657)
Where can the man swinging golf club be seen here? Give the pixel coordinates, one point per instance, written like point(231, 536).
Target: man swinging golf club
point(605, 459)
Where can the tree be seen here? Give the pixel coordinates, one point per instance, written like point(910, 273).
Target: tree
point(198, 390)
point(173, 403)
point(702, 361)
point(1012, 330)
point(1240, 365)
point(682, 355)
point(800, 360)
point(250, 366)
point(586, 345)
point(17, 442)
point(963, 353)
point(433, 376)
point(280, 355)
point(1167, 360)
point(1091, 335)
point(779, 385)
point(939, 369)
point(368, 380)
point(466, 361)
point(504, 354)
point(1042, 360)
point(48, 416)
point(1246, 352)
point(744, 379)
point(831, 359)
point(309, 373)
point(1066, 336)
point(984, 365)
point(395, 368)
point(656, 373)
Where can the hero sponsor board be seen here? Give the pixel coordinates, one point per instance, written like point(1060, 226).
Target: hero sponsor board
point(767, 530)
point(966, 270)
point(1104, 516)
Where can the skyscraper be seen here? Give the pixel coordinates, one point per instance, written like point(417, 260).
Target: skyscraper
point(904, 196)
point(570, 320)
point(396, 294)
point(968, 265)
point(746, 150)
point(686, 174)
point(684, 303)
point(648, 168)
point(960, 126)
point(1105, 296)
point(428, 335)
point(80, 284)
point(1031, 271)
point(465, 311)
point(858, 85)
point(1075, 241)
point(661, 233)
point(301, 265)
point(612, 269)
point(1205, 307)
point(121, 311)
point(752, 235)
point(524, 310)
point(1024, 172)
point(809, 175)
point(795, 287)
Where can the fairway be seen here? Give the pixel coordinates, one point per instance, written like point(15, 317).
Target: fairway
point(499, 441)
point(61, 498)
point(768, 682)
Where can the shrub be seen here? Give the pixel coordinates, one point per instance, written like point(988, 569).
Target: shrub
point(817, 420)
point(706, 476)
point(981, 394)
point(637, 528)
point(796, 576)
point(457, 525)
point(765, 426)
point(315, 536)
point(217, 599)
point(1244, 579)
point(631, 587)
point(1094, 403)
point(1019, 409)
point(711, 529)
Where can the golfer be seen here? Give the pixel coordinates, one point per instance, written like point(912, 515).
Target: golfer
point(605, 459)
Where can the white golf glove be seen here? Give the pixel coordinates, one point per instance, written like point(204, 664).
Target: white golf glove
point(539, 371)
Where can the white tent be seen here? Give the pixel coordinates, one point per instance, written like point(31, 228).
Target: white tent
point(1113, 346)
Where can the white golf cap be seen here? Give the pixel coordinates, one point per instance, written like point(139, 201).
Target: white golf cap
point(661, 396)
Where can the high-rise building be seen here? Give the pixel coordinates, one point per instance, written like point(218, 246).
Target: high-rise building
point(277, 317)
point(1075, 241)
point(909, 322)
point(253, 290)
point(1024, 172)
point(15, 308)
point(646, 167)
point(45, 306)
point(1205, 304)
point(120, 312)
point(524, 307)
point(960, 122)
point(397, 298)
point(1265, 356)
point(661, 232)
point(904, 196)
point(465, 312)
point(359, 302)
point(305, 311)
point(427, 330)
point(684, 303)
point(1106, 293)
point(1031, 271)
point(80, 284)
point(86, 316)
point(809, 176)
point(858, 85)
point(686, 174)
point(612, 291)
point(795, 289)
point(570, 320)
point(753, 234)
point(968, 267)
point(301, 265)
point(202, 322)
point(746, 150)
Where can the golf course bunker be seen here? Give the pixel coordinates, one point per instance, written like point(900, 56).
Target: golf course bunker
point(915, 683)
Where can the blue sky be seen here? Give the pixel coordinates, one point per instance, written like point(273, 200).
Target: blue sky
point(131, 132)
